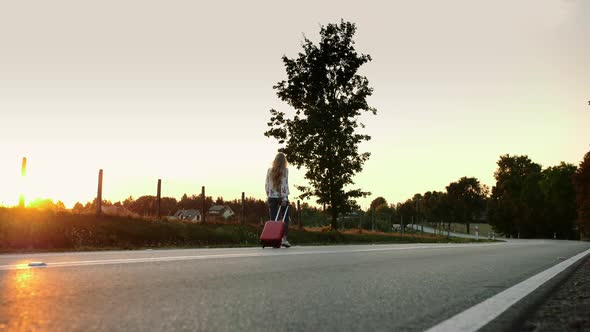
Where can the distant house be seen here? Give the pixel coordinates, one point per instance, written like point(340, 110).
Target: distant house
point(220, 211)
point(188, 215)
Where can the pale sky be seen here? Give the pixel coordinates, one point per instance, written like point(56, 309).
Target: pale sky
point(180, 90)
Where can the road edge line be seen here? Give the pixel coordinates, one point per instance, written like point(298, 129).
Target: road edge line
point(479, 315)
point(271, 253)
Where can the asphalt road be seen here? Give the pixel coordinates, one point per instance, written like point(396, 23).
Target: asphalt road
point(335, 288)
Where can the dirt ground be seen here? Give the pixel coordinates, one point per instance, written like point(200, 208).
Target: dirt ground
point(568, 308)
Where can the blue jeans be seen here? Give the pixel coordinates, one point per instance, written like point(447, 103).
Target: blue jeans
point(273, 207)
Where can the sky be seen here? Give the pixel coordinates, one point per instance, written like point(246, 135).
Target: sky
point(181, 91)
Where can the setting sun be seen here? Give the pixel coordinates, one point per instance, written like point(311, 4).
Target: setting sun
point(43, 182)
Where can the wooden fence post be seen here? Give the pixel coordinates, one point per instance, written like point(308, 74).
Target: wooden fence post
point(159, 199)
point(203, 203)
point(243, 214)
point(23, 172)
point(299, 214)
point(99, 194)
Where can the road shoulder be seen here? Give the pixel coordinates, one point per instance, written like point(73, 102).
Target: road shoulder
point(517, 317)
point(567, 308)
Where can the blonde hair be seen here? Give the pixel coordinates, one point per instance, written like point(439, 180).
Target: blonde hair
point(279, 165)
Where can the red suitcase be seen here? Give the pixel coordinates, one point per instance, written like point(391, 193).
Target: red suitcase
point(273, 231)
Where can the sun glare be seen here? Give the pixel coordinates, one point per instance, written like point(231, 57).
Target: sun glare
point(36, 183)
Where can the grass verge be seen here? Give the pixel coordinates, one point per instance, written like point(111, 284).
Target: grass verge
point(26, 230)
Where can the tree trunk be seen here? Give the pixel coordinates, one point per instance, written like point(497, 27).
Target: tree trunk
point(334, 225)
point(468, 229)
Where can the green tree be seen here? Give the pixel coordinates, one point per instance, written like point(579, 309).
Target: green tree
point(381, 214)
point(466, 199)
point(312, 217)
point(434, 207)
point(168, 205)
point(560, 201)
point(60, 206)
point(187, 203)
point(514, 198)
point(532, 200)
point(78, 208)
point(145, 205)
point(255, 210)
point(128, 203)
point(194, 202)
point(45, 204)
point(424, 205)
point(377, 202)
point(385, 210)
point(328, 96)
point(582, 186)
point(406, 211)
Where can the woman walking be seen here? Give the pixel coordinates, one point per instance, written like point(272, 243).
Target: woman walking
point(277, 191)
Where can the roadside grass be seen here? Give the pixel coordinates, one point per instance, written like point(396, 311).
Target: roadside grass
point(28, 230)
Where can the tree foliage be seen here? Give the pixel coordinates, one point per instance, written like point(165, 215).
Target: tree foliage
point(46, 204)
point(559, 201)
point(378, 202)
point(582, 188)
point(466, 199)
point(434, 207)
point(530, 202)
point(406, 211)
point(328, 97)
point(510, 205)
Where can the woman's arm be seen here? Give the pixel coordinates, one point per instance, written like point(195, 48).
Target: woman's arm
point(267, 184)
point(285, 185)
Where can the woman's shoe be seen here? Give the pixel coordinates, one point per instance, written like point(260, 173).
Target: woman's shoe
point(285, 244)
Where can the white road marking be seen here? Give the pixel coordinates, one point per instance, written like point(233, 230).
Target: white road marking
point(270, 252)
point(481, 314)
point(37, 264)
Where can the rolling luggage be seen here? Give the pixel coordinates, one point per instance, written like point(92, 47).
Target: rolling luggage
point(273, 231)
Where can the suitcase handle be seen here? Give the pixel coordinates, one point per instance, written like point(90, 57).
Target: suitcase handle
point(279, 211)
